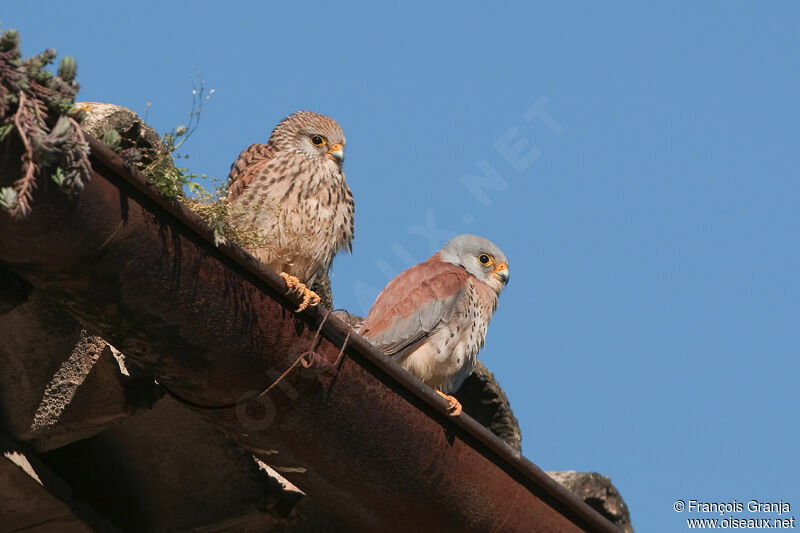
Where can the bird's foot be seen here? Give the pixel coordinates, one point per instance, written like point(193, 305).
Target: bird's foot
point(298, 288)
point(454, 407)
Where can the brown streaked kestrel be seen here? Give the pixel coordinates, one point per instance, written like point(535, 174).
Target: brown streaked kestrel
point(293, 190)
point(433, 317)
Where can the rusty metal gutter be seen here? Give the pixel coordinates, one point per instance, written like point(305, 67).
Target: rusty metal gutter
point(356, 432)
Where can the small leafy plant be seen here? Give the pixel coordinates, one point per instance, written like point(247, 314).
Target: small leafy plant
point(37, 110)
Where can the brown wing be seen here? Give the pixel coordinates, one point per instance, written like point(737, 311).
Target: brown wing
point(241, 173)
point(413, 304)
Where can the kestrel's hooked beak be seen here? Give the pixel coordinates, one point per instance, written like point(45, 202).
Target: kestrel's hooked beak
point(501, 273)
point(336, 152)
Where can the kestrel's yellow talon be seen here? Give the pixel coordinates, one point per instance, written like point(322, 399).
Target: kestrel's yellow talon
point(454, 409)
point(293, 285)
point(291, 282)
point(296, 287)
point(310, 299)
point(314, 299)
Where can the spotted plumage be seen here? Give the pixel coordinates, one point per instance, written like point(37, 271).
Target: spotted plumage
point(293, 190)
point(433, 317)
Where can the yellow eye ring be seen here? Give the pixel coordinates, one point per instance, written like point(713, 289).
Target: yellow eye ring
point(485, 260)
point(318, 140)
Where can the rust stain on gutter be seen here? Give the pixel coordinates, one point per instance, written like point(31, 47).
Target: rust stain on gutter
point(213, 325)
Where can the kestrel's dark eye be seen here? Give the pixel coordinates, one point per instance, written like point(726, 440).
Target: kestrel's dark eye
point(485, 259)
point(318, 140)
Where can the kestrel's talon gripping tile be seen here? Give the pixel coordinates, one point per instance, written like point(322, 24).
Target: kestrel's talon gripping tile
point(310, 299)
point(298, 288)
point(292, 283)
point(454, 408)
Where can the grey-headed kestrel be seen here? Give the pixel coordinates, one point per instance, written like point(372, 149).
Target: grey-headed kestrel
point(432, 318)
point(293, 190)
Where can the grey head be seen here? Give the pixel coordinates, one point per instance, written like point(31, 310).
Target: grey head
point(478, 256)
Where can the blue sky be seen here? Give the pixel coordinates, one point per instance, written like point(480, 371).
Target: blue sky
point(650, 330)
